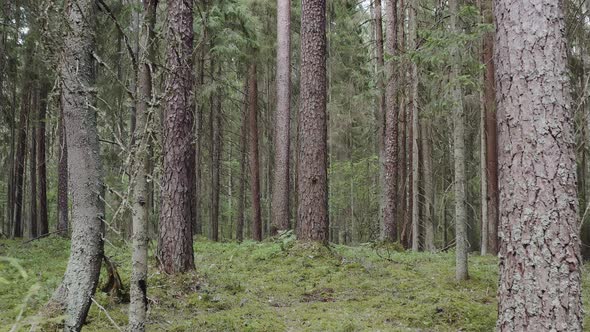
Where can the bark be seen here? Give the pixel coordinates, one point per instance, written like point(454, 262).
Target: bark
point(138, 289)
point(461, 272)
point(243, 161)
point(490, 136)
point(33, 163)
point(415, 118)
point(282, 135)
point(312, 174)
point(253, 152)
point(43, 224)
point(19, 170)
point(84, 164)
point(428, 185)
point(380, 116)
point(540, 259)
point(214, 125)
point(176, 241)
point(389, 226)
point(199, 109)
point(62, 176)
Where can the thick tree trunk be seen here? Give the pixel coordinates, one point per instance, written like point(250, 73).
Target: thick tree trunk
point(428, 185)
point(43, 224)
point(415, 133)
point(540, 251)
point(312, 172)
point(214, 125)
point(490, 135)
point(389, 187)
point(62, 176)
point(84, 164)
point(176, 240)
point(138, 289)
point(253, 152)
point(458, 155)
point(280, 186)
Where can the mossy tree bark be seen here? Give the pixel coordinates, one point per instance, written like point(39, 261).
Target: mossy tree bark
point(138, 288)
point(84, 163)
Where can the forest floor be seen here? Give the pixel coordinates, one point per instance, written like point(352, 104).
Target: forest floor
point(271, 286)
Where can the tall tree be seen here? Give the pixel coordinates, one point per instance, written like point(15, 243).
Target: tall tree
point(428, 181)
point(491, 142)
point(389, 187)
point(176, 240)
point(33, 106)
point(138, 288)
point(415, 125)
point(540, 259)
point(62, 175)
point(215, 131)
point(253, 152)
point(84, 163)
point(43, 223)
point(312, 171)
point(458, 153)
point(243, 161)
point(280, 186)
point(21, 158)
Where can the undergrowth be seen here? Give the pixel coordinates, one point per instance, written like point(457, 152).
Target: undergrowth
point(281, 285)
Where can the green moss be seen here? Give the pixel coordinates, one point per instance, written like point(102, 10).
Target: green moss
point(273, 286)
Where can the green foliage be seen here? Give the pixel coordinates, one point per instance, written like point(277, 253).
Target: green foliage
point(273, 286)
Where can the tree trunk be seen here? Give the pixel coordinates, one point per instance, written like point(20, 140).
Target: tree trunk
point(380, 118)
point(491, 136)
point(253, 152)
point(428, 186)
point(280, 185)
point(62, 175)
point(415, 133)
point(312, 170)
point(540, 251)
point(243, 161)
point(41, 167)
point(176, 240)
point(214, 125)
point(21, 155)
point(138, 289)
point(389, 187)
point(33, 107)
point(84, 164)
point(458, 154)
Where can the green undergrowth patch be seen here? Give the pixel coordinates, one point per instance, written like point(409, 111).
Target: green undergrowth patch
point(277, 285)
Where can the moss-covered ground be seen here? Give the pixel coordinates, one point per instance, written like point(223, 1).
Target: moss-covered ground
point(272, 286)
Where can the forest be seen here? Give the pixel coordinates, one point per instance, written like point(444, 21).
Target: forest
point(278, 165)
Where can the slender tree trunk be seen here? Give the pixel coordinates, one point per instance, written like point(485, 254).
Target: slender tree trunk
point(243, 161)
point(41, 166)
point(459, 155)
point(428, 186)
point(62, 175)
point(253, 152)
point(490, 135)
point(415, 125)
point(280, 186)
point(84, 164)
point(138, 289)
point(199, 109)
point(389, 227)
point(21, 154)
point(540, 258)
point(33, 162)
point(312, 165)
point(214, 125)
point(176, 241)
